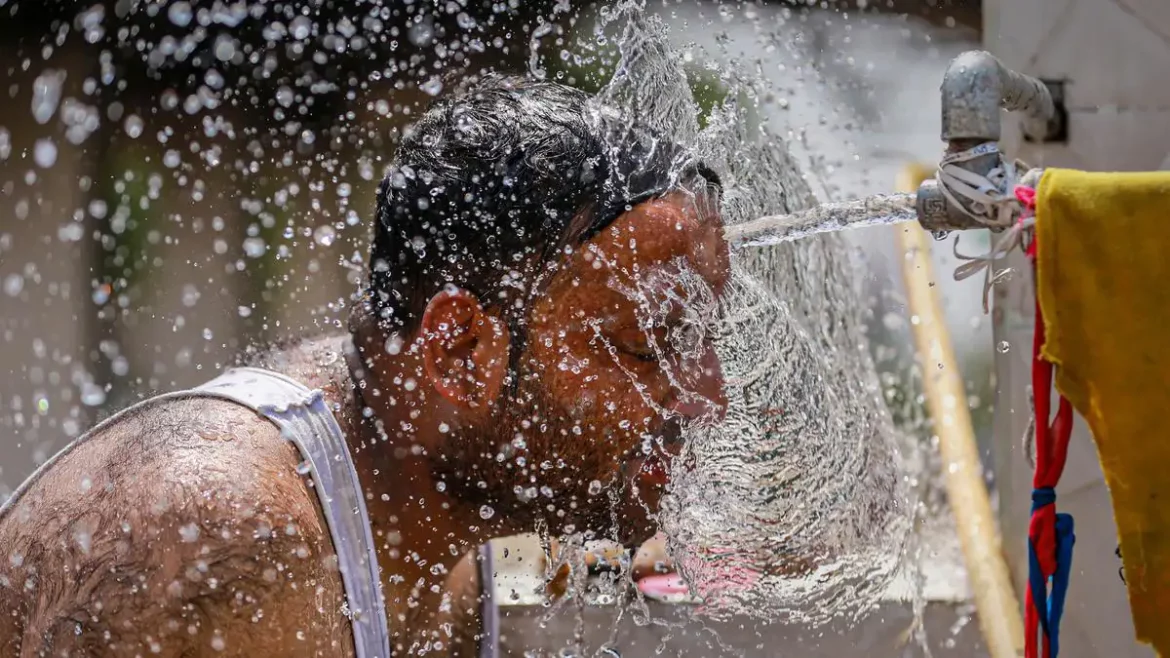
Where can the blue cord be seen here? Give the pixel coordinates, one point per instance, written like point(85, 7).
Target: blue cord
point(1051, 609)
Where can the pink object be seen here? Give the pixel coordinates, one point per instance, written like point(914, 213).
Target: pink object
point(662, 587)
point(723, 573)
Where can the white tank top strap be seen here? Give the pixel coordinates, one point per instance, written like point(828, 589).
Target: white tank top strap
point(304, 418)
point(489, 612)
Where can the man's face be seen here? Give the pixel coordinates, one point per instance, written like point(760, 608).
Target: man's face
point(617, 360)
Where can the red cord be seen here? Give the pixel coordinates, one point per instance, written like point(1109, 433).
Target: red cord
point(1051, 454)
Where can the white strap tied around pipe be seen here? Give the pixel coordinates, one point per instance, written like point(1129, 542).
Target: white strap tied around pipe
point(1012, 238)
point(988, 199)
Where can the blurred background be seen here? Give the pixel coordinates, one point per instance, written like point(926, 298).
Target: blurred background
point(183, 181)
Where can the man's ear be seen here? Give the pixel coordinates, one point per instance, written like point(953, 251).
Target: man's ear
point(465, 349)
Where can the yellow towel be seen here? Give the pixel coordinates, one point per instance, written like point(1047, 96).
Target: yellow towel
point(1104, 286)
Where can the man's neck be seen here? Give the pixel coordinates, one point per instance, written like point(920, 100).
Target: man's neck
point(421, 531)
point(419, 538)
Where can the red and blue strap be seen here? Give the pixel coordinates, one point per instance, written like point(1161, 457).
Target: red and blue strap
point(1050, 535)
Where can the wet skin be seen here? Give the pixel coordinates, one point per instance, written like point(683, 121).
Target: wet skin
point(184, 529)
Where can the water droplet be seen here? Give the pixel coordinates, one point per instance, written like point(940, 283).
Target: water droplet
point(189, 533)
point(594, 487)
point(45, 153)
point(190, 295)
point(421, 33)
point(285, 96)
point(434, 86)
point(486, 512)
point(1004, 347)
point(92, 395)
point(324, 235)
point(225, 48)
point(300, 28)
point(13, 284)
point(394, 345)
point(133, 126)
point(179, 13)
point(304, 468)
point(254, 247)
point(46, 95)
point(98, 208)
point(84, 540)
point(893, 321)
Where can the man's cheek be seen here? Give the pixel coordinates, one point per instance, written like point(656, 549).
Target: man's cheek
point(570, 383)
point(626, 416)
point(575, 376)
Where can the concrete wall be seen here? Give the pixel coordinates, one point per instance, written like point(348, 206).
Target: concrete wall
point(1114, 55)
point(43, 285)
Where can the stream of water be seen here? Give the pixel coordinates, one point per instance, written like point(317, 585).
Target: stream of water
point(824, 218)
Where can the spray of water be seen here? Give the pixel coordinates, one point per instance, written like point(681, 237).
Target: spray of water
point(791, 506)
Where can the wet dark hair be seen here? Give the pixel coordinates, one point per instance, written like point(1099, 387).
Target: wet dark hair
point(490, 184)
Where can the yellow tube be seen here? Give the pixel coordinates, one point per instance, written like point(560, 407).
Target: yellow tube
point(946, 399)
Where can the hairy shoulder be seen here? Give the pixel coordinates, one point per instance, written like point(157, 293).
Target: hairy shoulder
point(183, 528)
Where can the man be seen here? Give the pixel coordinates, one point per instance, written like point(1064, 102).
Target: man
point(525, 353)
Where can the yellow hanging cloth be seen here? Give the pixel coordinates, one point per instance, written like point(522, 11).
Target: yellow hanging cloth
point(1104, 287)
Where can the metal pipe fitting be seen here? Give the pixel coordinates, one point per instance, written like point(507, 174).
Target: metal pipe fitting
point(976, 86)
point(935, 212)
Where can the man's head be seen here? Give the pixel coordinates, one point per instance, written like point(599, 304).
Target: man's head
point(546, 269)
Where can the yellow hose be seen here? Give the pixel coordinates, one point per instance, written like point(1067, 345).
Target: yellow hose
point(995, 600)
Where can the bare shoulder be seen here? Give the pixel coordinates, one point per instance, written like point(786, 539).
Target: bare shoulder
point(183, 528)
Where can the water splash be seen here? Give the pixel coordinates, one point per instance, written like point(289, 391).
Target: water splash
point(793, 507)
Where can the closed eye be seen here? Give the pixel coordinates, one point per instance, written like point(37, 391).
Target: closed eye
point(648, 356)
point(640, 343)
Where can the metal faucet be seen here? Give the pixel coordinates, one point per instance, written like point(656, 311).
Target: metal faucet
point(974, 89)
